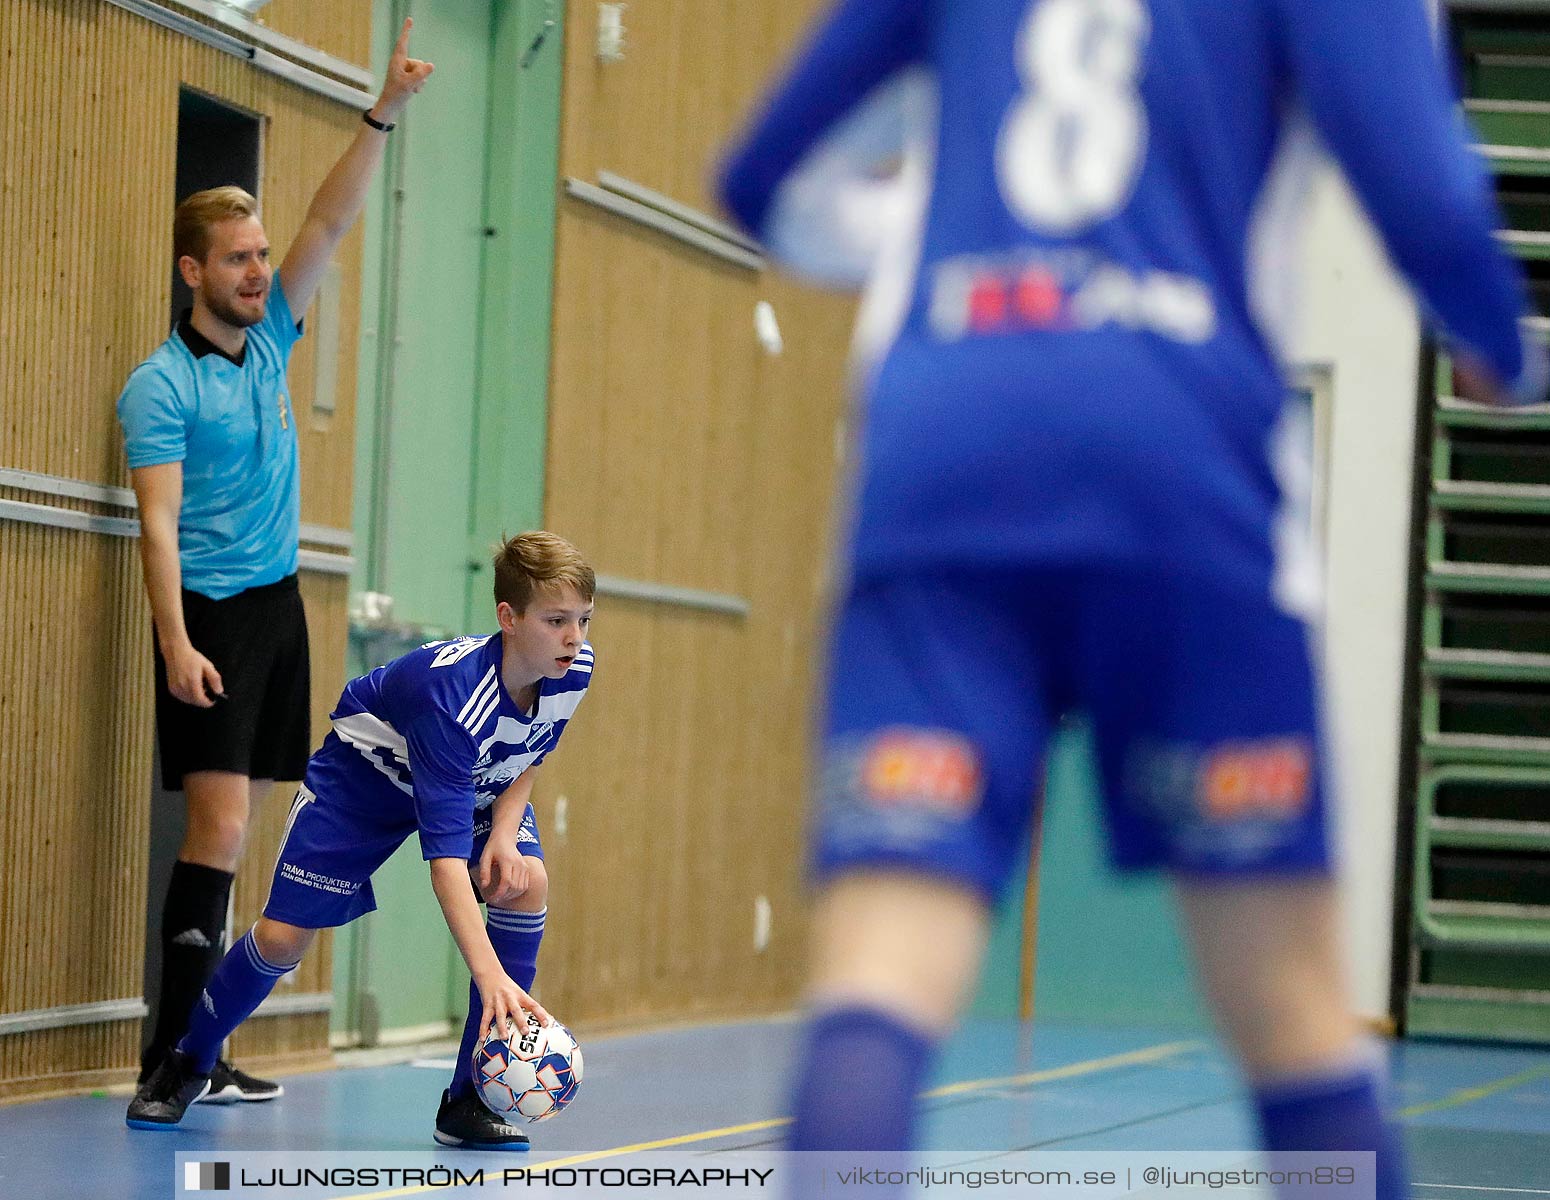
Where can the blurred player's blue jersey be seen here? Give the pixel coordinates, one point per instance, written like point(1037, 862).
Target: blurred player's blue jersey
point(432, 738)
point(1081, 360)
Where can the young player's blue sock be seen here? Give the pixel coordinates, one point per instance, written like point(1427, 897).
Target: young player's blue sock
point(515, 936)
point(851, 1053)
point(238, 986)
point(1334, 1110)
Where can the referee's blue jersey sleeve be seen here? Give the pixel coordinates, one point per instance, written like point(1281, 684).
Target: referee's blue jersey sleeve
point(1371, 77)
point(155, 425)
point(283, 325)
point(862, 43)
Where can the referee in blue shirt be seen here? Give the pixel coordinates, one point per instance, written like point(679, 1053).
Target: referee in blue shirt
point(212, 452)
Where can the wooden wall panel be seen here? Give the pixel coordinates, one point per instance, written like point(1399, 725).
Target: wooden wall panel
point(319, 26)
point(87, 154)
point(73, 789)
point(680, 453)
point(59, 1062)
point(691, 70)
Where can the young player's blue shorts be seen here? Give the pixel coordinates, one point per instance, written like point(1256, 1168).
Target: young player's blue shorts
point(322, 877)
point(943, 689)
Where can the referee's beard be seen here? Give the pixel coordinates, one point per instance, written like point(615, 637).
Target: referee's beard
point(228, 313)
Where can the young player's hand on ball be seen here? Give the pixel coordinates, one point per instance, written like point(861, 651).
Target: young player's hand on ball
point(505, 1005)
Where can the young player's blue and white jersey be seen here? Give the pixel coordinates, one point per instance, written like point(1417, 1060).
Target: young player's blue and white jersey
point(1082, 349)
point(432, 737)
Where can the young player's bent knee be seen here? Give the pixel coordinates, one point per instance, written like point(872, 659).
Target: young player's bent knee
point(533, 897)
point(536, 895)
point(281, 943)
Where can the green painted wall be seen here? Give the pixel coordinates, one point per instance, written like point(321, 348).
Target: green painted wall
point(1110, 950)
point(517, 286)
point(452, 404)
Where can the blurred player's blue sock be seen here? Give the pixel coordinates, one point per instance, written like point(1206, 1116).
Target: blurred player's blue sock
point(858, 1052)
point(515, 936)
point(238, 986)
point(1334, 1110)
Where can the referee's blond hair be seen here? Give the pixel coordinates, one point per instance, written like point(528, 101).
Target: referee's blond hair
point(194, 218)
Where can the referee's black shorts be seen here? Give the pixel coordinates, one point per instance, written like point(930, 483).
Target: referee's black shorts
point(257, 640)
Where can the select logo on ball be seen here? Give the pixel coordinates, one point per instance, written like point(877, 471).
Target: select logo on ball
point(533, 1075)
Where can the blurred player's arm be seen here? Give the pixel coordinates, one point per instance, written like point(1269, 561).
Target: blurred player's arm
point(342, 194)
point(502, 998)
point(816, 176)
point(502, 873)
point(1371, 76)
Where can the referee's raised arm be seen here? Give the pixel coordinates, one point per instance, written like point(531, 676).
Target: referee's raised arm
point(342, 193)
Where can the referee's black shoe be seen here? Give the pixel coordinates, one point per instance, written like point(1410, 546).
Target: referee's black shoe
point(467, 1124)
point(229, 1084)
point(165, 1096)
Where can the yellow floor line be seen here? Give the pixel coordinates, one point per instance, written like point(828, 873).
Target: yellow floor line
point(1469, 1095)
point(1092, 1066)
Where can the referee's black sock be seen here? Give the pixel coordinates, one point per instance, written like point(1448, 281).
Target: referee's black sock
point(193, 929)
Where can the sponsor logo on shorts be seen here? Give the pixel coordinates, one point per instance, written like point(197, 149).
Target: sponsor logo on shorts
point(928, 768)
point(314, 879)
point(1263, 779)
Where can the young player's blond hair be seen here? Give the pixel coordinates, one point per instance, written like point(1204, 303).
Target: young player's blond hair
point(534, 560)
point(192, 222)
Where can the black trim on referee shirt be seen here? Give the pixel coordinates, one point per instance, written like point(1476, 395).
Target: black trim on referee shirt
point(199, 345)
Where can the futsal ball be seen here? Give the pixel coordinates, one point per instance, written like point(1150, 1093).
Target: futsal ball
point(533, 1076)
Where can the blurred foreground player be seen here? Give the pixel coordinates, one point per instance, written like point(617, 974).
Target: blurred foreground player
point(1076, 488)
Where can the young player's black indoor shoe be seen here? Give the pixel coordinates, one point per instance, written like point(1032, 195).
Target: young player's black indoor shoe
point(165, 1096)
point(466, 1123)
point(229, 1084)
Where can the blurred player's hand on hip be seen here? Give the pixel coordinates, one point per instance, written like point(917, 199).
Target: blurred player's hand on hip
point(1473, 381)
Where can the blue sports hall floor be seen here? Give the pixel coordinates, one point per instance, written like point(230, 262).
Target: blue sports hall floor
point(1477, 1117)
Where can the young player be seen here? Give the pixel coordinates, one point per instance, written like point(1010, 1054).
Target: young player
point(444, 741)
point(1071, 489)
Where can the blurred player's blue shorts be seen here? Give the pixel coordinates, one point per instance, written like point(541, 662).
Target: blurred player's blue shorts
point(329, 853)
point(943, 689)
